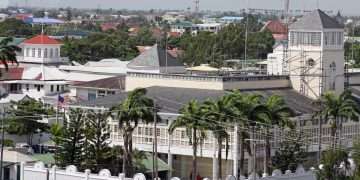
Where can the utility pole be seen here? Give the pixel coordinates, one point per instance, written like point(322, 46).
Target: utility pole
point(155, 164)
point(2, 143)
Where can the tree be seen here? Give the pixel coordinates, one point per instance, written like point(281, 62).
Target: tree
point(25, 116)
point(335, 108)
point(273, 111)
point(217, 113)
point(8, 52)
point(71, 140)
point(245, 105)
point(97, 135)
point(16, 28)
point(290, 154)
point(335, 164)
point(134, 109)
point(191, 119)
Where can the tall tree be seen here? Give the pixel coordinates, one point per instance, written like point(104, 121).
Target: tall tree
point(136, 108)
point(336, 108)
point(25, 116)
point(217, 113)
point(245, 105)
point(71, 141)
point(191, 119)
point(8, 52)
point(274, 111)
point(98, 137)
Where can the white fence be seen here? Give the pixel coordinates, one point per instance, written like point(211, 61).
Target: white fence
point(39, 172)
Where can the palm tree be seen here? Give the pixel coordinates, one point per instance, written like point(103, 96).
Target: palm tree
point(8, 52)
point(217, 113)
point(335, 164)
point(244, 105)
point(191, 120)
point(273, 111)
point(337, 108)
point(135, 108)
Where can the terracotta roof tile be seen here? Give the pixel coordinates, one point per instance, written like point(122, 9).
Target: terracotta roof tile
point(41, 39)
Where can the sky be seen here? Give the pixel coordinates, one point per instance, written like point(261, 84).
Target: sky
point(345, 6)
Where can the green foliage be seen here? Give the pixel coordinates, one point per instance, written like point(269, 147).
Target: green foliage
point(290, 154)
point(9, 143)
point(16, 28)
point(334, 108)
point(98, 46)
point(70, 141)
point(97, 135)
point(24, 116)
point(335, 166)
point(134, 109)
point(111, 44)
point(229, 43)
point(8, 52)
point(352, 52)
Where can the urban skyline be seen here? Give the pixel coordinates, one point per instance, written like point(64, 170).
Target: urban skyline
point(233, 5)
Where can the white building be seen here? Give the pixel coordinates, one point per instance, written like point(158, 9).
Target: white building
point(275, 60)
point(209, 27)
point(37, 75)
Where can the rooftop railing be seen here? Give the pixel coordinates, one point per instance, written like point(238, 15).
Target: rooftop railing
point(209, 78)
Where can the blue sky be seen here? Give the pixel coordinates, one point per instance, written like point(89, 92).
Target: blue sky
point(345, 6)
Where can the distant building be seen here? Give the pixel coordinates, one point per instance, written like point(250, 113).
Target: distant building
point(230, 19)
point(277, 29)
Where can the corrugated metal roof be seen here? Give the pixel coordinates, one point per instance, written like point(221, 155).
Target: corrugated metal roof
point(41, 39)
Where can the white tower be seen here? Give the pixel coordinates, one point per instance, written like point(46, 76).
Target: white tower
point(316, 55)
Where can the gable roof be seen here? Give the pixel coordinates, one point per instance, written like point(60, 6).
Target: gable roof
point(41, 39)
point(154, 58)
point(275, 27)
point(316, 20)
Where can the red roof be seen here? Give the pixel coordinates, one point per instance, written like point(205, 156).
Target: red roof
point(41, 39)
point(275, 27)
point(12, 73)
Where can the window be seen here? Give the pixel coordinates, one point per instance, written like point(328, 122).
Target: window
point(333, 67)
point(110, 92)
point(157, 131)
point(45, 53)
point(57, 52)
point(38, 87)
point(27, 52)
point(51, 52)
point(310, 62)
point(91, 96)
point(27, 87)
point(101, 93)
point(139, 130)
point(33, 52)
point(39, 53)
point(62, 88)
point(52, 88)
point(57, 88)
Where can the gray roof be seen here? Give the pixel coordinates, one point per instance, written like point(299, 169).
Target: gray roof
point(316, 20)
point(172, 99)
point(115, 83)
point(154, 58)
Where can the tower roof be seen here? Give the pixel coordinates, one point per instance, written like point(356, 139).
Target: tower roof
point(316, 20)
point(41, 39)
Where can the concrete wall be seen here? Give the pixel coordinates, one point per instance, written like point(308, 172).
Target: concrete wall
point(144, 82)
point(258, 84)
